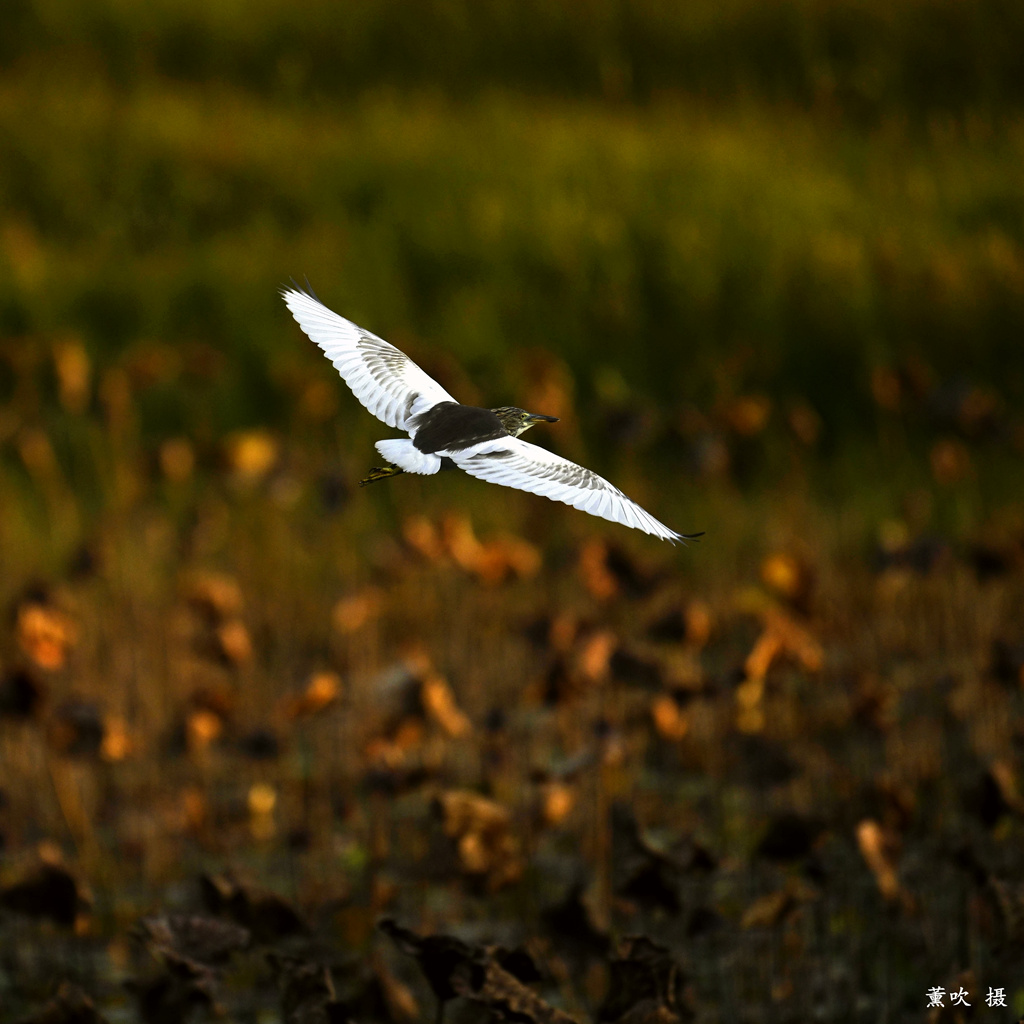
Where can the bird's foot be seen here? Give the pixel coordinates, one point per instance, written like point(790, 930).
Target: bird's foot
point(381, 474)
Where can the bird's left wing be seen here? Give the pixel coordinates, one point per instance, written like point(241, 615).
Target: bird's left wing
point(527, 467)
point(384, 379)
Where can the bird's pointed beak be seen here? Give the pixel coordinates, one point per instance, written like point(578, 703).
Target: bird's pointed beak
point(536, 417)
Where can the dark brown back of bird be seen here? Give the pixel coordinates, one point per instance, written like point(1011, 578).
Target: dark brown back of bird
point(451, 427)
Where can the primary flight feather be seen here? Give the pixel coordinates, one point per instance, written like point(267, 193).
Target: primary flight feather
point(444, 434)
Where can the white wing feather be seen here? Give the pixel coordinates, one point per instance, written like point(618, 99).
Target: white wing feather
point(527, 467)
point(384, 379)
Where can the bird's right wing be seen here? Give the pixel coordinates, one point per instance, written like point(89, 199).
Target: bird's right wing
point(528, 467)
point(384, 379)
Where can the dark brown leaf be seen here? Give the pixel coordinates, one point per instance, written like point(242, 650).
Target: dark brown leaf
point(646, 984)
point(206, 939)
point(267, 916)
point(169, 995)
point(307, 992)
point(454, 968)
point(50, 892)
point(69, 1006)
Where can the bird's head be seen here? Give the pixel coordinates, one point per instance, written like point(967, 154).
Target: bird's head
point(515, 421)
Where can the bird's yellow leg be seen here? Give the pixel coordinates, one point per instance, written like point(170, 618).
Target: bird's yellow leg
point(381, 474)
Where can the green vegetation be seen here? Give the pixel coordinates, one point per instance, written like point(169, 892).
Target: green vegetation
point(867, 59)
point(674, 234)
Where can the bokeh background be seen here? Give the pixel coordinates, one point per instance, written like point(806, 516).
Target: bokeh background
point(765, 261)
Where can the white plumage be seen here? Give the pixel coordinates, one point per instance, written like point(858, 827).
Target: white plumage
point(381, 377)
point(528, 467)
point(398, 392)
point(400, 451)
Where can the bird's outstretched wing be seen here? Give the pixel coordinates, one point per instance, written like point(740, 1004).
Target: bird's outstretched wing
point(516, 463)
point(384, 379)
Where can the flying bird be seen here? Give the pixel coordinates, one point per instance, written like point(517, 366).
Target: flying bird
point(443, 434)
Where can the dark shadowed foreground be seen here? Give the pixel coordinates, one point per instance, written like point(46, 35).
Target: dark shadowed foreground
point(549, 783)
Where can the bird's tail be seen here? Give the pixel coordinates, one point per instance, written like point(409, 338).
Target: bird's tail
point(400, 451)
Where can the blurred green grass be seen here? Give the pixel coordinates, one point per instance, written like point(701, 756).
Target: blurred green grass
point(862, 57)
point(674, 234)
point(720, 214)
